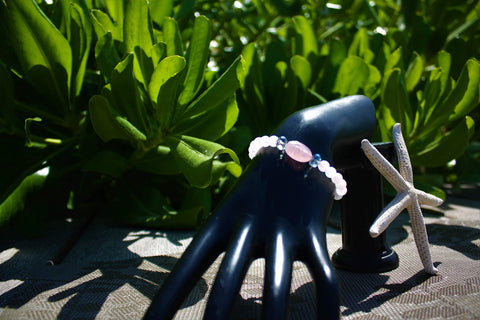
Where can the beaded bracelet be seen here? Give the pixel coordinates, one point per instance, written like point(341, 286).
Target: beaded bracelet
point(301, 153)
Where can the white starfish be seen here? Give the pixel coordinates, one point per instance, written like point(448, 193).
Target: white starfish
point(407, 196)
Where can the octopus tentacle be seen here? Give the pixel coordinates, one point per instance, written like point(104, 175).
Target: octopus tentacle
point(231, 273)
point(278, 276)
point(201, 253)
point(324, 279)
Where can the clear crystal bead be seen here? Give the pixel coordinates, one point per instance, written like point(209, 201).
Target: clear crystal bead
point(315, 160)
point(281, 142)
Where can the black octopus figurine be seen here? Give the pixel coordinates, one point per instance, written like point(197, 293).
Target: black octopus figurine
point(278, 210)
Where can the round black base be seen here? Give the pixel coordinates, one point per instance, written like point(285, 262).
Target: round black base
point(365, 262)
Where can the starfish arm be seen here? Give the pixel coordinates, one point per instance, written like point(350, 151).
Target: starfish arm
point(404, 163)
point(421, 238)
point(428, 199)
point(389, 213)
point(384, 166)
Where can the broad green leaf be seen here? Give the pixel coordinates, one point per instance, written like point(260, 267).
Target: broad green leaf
point(172, 37)
point(159, 51)
point(80, 41)
point(15, 202)
point(448, 146)
point(21, 162)
point(42, 50)
point(196, 159)
point(108, 124)
point(437, 86)
point(431, 94)
point(395, 60)
point(103, 24)
point(301, 68)
point(61, 17)
point(116, 10)
point(462, 99)
point(414, 72)
point(306, 39)
point(160, 9)
point(253, 91)
point(137, 28)
point(106, 55)
point(352, 76)
point(106, 162)
point(218, 92)
point(337, 53)
point(197, 57)
point(360, 46)
point(138, 38)
point(125, 92)
point(371, 89)
point(214, 124)
point(163, 87)
point(395, 98)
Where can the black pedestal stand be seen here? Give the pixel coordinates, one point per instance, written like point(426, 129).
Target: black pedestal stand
point(359, 208)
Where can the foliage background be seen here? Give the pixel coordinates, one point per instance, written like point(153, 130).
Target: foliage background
point(148, 107)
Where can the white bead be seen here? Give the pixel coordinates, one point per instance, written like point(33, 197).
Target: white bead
point(272, 141)
point(323, 166)
point(341, 191)
point(330, 172)
point(337, 177)
point(341, 184)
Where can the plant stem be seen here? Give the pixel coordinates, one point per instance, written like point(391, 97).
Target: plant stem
point(43, 114)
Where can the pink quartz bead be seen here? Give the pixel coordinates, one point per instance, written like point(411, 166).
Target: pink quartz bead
point(298, 151)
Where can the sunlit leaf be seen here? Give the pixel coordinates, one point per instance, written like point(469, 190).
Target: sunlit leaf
point(197, 57)
point(352, 76)
point(462, 99)
point(395, 98)
point(160, 9)
point(301, 68)
point(108, 124)
point(306, 39)
point(43, 51)
point(414, 72)
point(163, 87)
point(447, 146)
point(138, 38)
point(172, 37)
point(81, 37)
point(214, 124)
point(16, 200)
point(126, 95)
point(196, 159)
point(103, 24)
point(218, 92)
point(106, 54)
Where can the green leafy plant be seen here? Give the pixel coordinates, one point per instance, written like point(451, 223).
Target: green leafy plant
point(43, 67)
point(145, 105)
point(154, 102)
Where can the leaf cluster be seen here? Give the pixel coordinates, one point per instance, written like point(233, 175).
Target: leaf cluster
point(148, 105)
